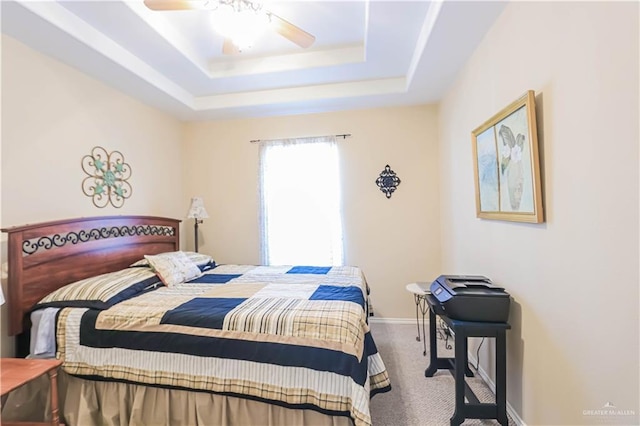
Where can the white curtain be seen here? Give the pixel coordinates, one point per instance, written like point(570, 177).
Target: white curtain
point(301, 220)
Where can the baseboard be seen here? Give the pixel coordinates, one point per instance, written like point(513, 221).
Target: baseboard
point(485, 377)
point(382, 320)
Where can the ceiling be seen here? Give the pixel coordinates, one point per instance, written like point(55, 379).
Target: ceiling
point(366, 53)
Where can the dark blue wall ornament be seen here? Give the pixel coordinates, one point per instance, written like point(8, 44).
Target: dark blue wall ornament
point(388, 181)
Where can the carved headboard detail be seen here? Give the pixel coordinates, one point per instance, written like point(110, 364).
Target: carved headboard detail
point(43, 257)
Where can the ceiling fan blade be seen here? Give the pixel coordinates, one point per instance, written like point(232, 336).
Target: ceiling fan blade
point(228, 48)
point(174, 4)
point(291, 32)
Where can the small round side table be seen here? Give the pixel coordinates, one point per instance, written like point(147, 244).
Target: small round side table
point(420, 290)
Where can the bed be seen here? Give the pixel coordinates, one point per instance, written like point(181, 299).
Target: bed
point(228, 344)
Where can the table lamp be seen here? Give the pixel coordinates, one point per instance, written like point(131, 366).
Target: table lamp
point(197, 212)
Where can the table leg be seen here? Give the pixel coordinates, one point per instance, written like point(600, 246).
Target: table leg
point(53, 381)
point(501, 378)
point(417, 300)
point(433, 347)
point(423, 307)
point(461, 364)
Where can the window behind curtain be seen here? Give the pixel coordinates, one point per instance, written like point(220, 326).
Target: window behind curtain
point(300, 202)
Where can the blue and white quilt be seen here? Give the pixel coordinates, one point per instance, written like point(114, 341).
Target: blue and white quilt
point(291, 335)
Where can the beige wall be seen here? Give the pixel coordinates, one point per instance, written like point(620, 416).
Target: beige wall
point(574, 279)
point(6, 344)
point(395, 241)
point(52, 116)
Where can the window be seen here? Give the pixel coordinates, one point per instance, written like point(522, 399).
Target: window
point(300, 202)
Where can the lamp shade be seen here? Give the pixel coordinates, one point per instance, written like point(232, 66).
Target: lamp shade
point(1, 296)
point(197, 210)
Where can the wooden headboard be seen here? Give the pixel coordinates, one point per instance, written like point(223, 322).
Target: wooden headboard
point(43, 257)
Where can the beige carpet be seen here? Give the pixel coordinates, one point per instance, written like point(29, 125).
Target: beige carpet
point(416, 400)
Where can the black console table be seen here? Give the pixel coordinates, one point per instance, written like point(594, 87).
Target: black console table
point(462, 330)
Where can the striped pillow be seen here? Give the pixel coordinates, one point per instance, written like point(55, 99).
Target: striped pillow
point(202, 261)
point(102, 291)
point(173, 268)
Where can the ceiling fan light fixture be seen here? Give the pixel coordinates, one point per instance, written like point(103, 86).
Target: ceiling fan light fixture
point(241, 21)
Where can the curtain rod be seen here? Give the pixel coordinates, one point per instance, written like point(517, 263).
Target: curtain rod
point(343, 136)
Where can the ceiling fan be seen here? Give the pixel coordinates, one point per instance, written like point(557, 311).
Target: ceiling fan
point(238, 21)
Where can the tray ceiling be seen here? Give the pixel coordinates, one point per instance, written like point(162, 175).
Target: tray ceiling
point(366, 53)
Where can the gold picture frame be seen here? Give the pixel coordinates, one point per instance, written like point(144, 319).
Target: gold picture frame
point(506, 164)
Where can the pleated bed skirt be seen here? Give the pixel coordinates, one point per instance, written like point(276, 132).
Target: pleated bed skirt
point(86, 402)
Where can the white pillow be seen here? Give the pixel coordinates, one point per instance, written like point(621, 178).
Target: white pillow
point(173, 268)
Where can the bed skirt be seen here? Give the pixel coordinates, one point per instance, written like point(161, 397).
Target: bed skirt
point(87, 402)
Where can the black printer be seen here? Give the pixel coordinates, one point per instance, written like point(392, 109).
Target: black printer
point(470, 298)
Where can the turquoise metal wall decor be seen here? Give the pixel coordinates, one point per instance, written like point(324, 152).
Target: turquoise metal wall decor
point(107, 177)
point(388, 181)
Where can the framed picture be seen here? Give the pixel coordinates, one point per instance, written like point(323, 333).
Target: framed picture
point(506, 164)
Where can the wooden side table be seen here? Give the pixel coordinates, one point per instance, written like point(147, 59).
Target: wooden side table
point(15, 372)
